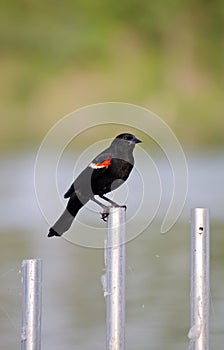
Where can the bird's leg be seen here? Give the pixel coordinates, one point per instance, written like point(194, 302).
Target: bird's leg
point(99, 203)
point(109, 200)
point(114, 204)
point(105, 212)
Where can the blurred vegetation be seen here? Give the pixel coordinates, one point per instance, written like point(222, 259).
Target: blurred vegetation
point(164, 55)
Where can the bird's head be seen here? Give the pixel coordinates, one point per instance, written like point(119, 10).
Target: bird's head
point(129, 138)
point(125, 142)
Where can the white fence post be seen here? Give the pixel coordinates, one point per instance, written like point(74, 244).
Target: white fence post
point(200, 279)
point(31, 304)
point(115, 257)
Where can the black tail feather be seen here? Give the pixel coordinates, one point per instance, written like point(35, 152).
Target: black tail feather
point(70, 191)
point(53, 233)
point(65, 221)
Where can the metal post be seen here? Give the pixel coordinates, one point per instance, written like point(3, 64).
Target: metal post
point(115, 279)
point(31, 304)
point(200, 279)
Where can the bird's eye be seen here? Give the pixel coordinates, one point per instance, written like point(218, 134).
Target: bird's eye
point(128, 137)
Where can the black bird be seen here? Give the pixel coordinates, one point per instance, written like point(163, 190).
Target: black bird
point(104, 174)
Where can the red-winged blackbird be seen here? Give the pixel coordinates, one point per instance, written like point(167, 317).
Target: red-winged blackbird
point(104, 174)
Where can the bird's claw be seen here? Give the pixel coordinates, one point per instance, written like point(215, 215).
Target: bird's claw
point(105, 214)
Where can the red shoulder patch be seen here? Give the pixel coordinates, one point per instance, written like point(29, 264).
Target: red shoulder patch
point(104, 164)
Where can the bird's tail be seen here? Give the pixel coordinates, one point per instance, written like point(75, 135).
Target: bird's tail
point(64, 222)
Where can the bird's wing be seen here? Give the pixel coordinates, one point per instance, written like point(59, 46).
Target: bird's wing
point(99, 163)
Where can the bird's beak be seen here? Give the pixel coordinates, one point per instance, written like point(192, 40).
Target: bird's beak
point(136, 140)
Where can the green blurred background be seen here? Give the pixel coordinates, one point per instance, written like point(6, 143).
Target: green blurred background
point(164, 55)
point(57, 56)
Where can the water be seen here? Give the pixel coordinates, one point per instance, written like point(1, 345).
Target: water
point(73, 302)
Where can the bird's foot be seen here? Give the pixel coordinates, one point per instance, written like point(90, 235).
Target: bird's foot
point(106, 211)
point(105, 214)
